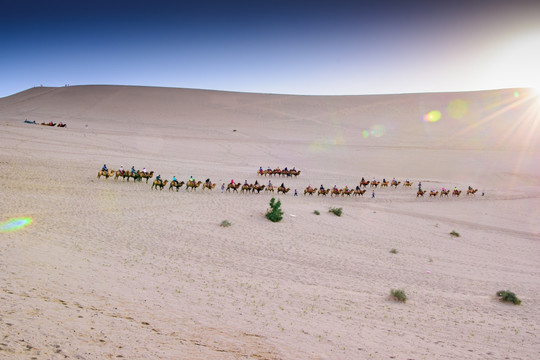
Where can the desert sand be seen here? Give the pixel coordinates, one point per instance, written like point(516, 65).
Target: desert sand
point(114, 269)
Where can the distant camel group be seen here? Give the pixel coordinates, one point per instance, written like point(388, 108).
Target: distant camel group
point(278, 171)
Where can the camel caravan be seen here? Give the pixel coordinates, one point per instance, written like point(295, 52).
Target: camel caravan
point(278, 171)
point(256, 188)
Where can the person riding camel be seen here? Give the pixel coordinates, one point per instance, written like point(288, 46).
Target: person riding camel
point(260, 169)
point(144, 170)
point(283, 185)
point(208, 182)
point(122, 169)
point(357, 187)
point(104, 168)
point(322, 187)
point(245, 182)
point(309, 187)
point(256, 182)
point(269, 183)
point(133, 170)
point(191, 179)
point(158, 178)
point(232, 182)
point(384, 180)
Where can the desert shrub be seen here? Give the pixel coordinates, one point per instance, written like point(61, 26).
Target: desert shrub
point(507, 295)
point(316, 212)
point(336, 211)
point(399, 295)
point(274, 214)
point(394, 251)
point(225, 223)
point(455, 233)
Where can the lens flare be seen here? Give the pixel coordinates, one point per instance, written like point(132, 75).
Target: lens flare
point(516, 94)
point(458, 108)
point(377, 130)
point(365, 134)
point(432, 116)
point(14, 224)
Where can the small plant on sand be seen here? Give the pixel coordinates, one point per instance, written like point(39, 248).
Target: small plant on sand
point(394, 251)
point(455, 233)
point(336, 211)
point(225, 223)
point(399, 295)
point(507, 295)
point(274, 214)
point(316, 212)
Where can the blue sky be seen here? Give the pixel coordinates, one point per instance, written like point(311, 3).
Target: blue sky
point(291, 47)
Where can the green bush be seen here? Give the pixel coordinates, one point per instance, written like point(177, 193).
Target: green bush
point(455, 233)
point(274, 214)
point(316, 212)
point(225, 223)
point(507, 295)
point(394, 251)
point(399, 295)
point(336, 211)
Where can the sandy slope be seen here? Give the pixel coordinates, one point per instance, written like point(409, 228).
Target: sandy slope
point(113, 269)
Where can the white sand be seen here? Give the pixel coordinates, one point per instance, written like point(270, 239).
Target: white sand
point(115, 270)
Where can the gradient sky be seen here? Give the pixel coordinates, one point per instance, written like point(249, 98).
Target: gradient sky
point(274, 46)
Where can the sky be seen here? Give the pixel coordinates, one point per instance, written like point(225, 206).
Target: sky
point(275, 46)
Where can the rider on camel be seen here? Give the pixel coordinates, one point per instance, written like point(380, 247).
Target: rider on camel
point(104, 168)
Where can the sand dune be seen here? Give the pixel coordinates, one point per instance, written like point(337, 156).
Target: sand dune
point(111, 269)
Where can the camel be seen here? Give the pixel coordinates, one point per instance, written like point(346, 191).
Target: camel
point(364, 183)
point(135, 176)
point(258, 188)
point(433, 193)
point(146, 175)
point(323, 192)
point(335, 192)
point(421, 193)
point(120, 173)
point(105, 173)
point(270, 188)
point(61, 125)
point(375, 183)
point(346, 192)
point(209, 186)
point(193, 185)
point(471, 191)
point(176, 184)
point(310, 191)
point(408, 183)
point(49, 124)
point(456, 193)
point(284, 173)
point(283, 190)
point(160, 183)
point(359, 192)
point(445, 193)
point(246, 188)
point(294, 172)
point(384, 184)
point(395, 183)
point(233, 186)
